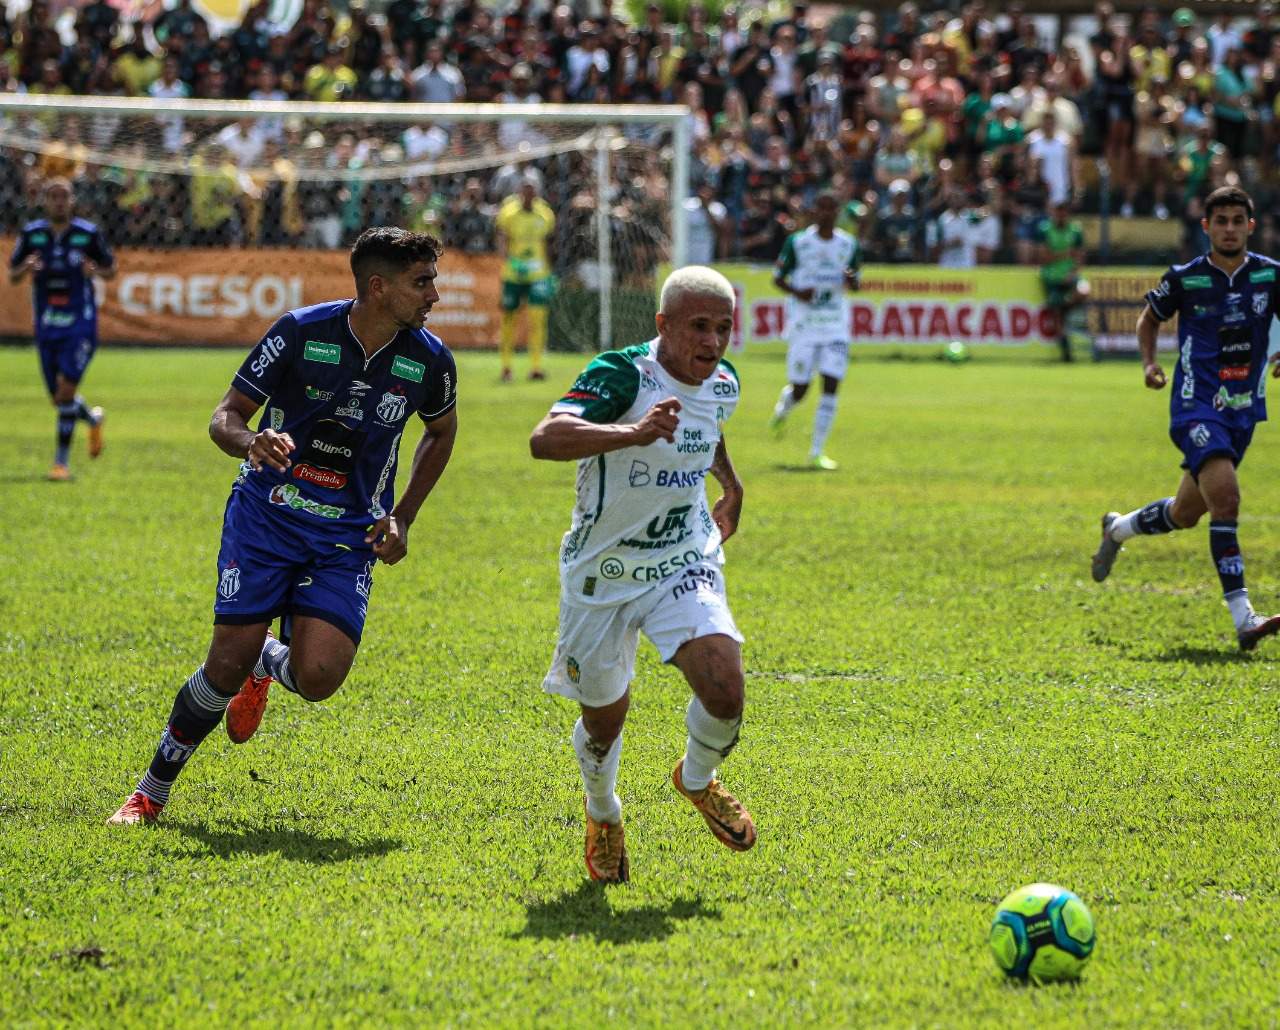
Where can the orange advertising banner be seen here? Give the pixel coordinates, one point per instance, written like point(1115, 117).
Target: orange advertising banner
point(229, 298)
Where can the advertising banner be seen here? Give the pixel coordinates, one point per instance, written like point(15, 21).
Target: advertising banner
point(923, 304)
point(230, 297)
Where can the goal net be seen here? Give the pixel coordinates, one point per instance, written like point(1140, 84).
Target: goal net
point(225, 214)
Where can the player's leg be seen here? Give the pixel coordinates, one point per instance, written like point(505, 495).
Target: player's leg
point(1221, 490)
point(75, 365)
point(1182, 511)
point(197, 710)
point(800, 361)
point(327, 604)
point(693, 629)
point(511, 296)
point(832, 364)
point(539, 298)
point(593, 665)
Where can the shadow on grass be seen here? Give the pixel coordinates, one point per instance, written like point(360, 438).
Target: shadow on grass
point(291, 843)
point(585, 911)
point(23, 477)
point(1194, 655)
point(783, 466)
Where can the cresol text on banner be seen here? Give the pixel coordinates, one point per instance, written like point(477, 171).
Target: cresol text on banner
point(231, 297)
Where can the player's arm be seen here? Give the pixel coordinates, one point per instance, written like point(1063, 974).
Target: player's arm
point(102, 262)
point(728, 510)
point(853, 273)
point(229, 429)
point(24, 261)
point(561, 436)
point(783, 269)
point(390, 534)
point(1148, 334)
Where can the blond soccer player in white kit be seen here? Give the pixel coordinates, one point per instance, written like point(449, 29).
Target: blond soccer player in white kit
point(644, 554)
point(816, 267)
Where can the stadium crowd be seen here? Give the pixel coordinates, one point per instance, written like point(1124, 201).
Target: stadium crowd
point(948, 136)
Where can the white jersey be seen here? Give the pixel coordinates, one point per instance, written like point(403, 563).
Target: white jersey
point(641, 513)
point(808, 261)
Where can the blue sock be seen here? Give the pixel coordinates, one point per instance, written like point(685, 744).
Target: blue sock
point(197, 710)
point(82, 411)
point(1225, 548)
point(66, 427)
point(1154, 518)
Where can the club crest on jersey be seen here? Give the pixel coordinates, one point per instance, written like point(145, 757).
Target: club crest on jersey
point(229, 584)
point(1199, 434)
point(392, 406)
point(1259, 304)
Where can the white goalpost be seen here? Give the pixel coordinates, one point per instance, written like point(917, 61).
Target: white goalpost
point(232, 209)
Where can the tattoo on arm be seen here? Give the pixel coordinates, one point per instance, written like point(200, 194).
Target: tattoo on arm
point(722, 467)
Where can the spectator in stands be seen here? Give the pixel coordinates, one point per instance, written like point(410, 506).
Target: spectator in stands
point(1223, 38)
point(762, 230)
point(785, 79)
point(708, 225)
point(1154, 112)
point(1180, 46)
point(1051, 150)
point(895, 162)
point(331, 79)
point(580, 59)
point(436, 81)
point(1232, 106)
point(217, 187)
point(469, 221)
point(170, 87)
point(896, 237)
point(180, 21)
point(1197, 161)
point(137, 68)
point(387, 83)
point(824, 99)
point(751, 66)
point(964, 235)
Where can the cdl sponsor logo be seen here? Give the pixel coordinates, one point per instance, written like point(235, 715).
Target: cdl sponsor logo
point(892, 322)
point(209, 296)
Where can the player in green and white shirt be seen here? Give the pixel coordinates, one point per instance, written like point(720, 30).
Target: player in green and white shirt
point(644, 554)
point(817, 266)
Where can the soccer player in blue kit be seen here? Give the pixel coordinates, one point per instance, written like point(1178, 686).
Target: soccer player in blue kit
point(312, 509)
point(62, 254)
point(1225, 301)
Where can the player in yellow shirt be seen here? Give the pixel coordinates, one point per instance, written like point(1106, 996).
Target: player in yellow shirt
point(525, 221)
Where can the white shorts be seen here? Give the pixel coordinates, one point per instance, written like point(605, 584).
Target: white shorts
point(595, 657)
point(830, 358)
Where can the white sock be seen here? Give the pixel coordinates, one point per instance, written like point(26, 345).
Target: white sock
point(786, 401)
point(1241, 608)
point(822, 419)
point(1125, 527)
point(710, 740)
point(599, 776)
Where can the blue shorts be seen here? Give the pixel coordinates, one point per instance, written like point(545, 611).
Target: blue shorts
point(1200, 441)
point(69, 355)
point(270, 564)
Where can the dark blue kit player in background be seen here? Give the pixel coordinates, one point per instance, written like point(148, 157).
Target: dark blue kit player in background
point(1224, 301)
point(313, 509)
point(63, 254)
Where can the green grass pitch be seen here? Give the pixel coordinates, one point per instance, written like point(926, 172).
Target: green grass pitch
point(941, 707)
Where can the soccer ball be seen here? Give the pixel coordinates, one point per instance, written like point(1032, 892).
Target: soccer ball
point(1042, 932)
point(956, 352)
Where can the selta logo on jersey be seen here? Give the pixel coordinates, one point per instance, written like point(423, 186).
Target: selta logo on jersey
point(271, 348)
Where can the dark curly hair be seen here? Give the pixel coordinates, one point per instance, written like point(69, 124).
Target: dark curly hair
point(386, 250)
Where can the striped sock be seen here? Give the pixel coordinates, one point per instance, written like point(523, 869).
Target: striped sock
point(197, 710)
point(274, 662)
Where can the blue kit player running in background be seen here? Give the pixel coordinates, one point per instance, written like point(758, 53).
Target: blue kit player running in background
point(313, 507)
point(63, 254)
point(1225, 301)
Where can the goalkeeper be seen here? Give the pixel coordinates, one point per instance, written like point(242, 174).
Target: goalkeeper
point(525, 221)
point(1061, 254)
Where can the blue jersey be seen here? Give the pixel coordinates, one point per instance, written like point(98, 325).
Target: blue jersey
point(345, 412)
point(65, 304)
point(1224, 324)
